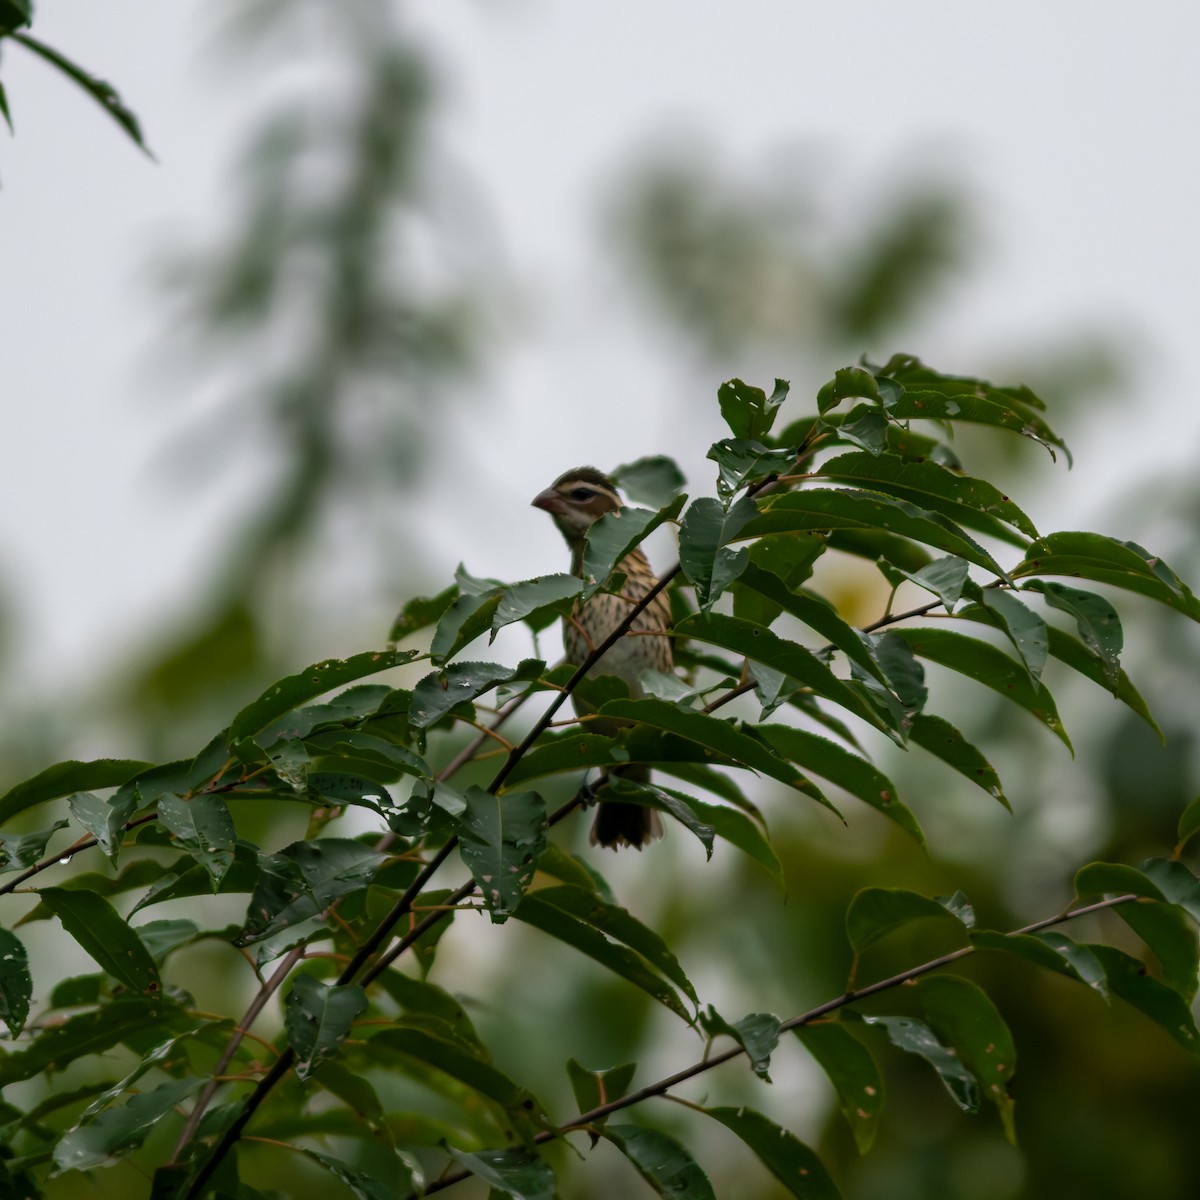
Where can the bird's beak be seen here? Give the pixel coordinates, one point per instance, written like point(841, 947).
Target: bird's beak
point(550, 501)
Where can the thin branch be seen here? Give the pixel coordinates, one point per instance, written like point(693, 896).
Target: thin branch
point(662, 1086)
point(268, 989)
point(84, 843)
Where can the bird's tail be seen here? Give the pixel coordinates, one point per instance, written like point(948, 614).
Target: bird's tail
point(619, 823)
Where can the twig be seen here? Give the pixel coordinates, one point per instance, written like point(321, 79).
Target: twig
point(268, 989)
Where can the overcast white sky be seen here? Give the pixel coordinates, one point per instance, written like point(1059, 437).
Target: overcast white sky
point(1076, 123)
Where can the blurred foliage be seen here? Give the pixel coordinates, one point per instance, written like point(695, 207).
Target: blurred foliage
point(337, 314)
point(735, 263)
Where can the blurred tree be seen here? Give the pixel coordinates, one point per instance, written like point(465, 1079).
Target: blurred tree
point(327, 329)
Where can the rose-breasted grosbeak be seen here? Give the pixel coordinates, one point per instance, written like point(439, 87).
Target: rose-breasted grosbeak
point(576, 500)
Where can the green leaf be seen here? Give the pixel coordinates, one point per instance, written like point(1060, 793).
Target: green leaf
point(24, 849)
point(1108, 560)
point(204, 828)
point(1176, 882)
point(973, 503)
point(875, 912)
point(905, 676)
point(101, 1141)
point(470, 616)
point(759, 643)
point(989, 666)
point(459, 683)
point(653, 481)
point(1114, 879)
point(537, 601)
point(997, 409)
point(103, 93)
point(963, 1018)
point(163, 936)
point(313, 681)
point(579, 750)
point(916, 1037)
point(355, 1091)
point(864, 426)
point(1022, 626)
point(124, 1019)
point(589, 938)
point(749, 411)
point(831, 761)
point(420, 613)
point(420, 997)
point(1189, 822)
point(944, 577)
point(743, 461)
point(740, 831)
point(1079, 658)
point(1076, 656)
point(818, 614)
point(302, 880)
point(662, 1162)
point(793, 1163)
point(64, 778)
point(707, 561)
point(594, 1088)
point(722, 736)
point(404, 1176)
point(104, 819)
point(460, 1062)
point(318, 1020)
point(98, 929)
point(845, 508)
point(16, 986)
point(757, 1034)
point(518, 1174)
point(853, 1073)
point(941, 739)
point(1097, 621)
point(619, 925)
point(615, 534)
point(1164, 928)
point(1127, 978)
point(847, 383)
point(500, 839)
point(1055, 952)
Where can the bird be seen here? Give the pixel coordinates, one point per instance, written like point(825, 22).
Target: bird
point(576, 500)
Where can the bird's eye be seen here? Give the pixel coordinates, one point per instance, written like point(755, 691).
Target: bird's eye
point(581, 494)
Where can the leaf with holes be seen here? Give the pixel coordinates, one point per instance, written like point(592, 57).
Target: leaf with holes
point(318, 1019)
point(853, 1073)
point(965, 1019)
point(500, 839)
point(749, 411)
point(794, 1164)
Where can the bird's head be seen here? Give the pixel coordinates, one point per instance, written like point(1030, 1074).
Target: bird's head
point(577, 499)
